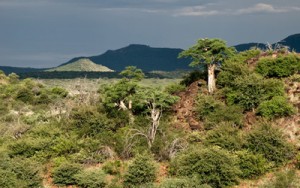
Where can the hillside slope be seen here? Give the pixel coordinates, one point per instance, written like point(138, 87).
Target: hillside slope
point(292, 41)
point(82, 65)
point(142, 56)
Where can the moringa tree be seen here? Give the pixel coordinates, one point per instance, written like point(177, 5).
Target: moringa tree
point(210, 52)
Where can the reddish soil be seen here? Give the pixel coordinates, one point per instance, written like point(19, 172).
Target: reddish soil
point(184, 109)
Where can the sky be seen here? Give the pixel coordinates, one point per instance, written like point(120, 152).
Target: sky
point(47, 33)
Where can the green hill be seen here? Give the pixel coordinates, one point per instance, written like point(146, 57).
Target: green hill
point(142, 56)
point(82, 65)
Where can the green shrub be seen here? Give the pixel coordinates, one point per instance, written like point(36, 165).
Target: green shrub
point(213, 112)
point(174, 88)
point(225, 136)
point(213, 166)
point(25, 95)
point(27, 172)
point(282, 66)
point(112, 167)
point(250, 90)
point(269, 142)
point(182, 183)
point(8, 179)
point(91, 178)
point(252, 165)
point(297, 164)
point(141, 171)
point(65, 174)
point(285, 179)
point(59, 91)
point(276, 107)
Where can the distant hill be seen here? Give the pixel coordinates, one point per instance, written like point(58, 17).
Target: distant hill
point(292, 41)
point(142, 56)
point(17, 70)
point(247, 46)
point(81, 65)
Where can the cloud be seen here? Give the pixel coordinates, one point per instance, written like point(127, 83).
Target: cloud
point(196, 11)
point(266, 8)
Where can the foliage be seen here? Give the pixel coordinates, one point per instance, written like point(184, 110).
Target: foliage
point(19, 172)
point(278, 106)
point(284, 179)
point(250, 90)
point(59, 91)
point(213, 111)
point(132, 72)
point(121, 91)
point(297, 164)
point(269, 141)
point(212, 165)
point(252, 165)
point(226, 136)
point(282, 66)
point(174, 88)
point(65, 174)
point(141, 171)
point(90, 178)
point(207, 51)
point(112, 167)
point(182, 183)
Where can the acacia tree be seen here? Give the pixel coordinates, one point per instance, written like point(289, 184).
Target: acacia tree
point(155, 102)
point(121, 93)
point(210, 52)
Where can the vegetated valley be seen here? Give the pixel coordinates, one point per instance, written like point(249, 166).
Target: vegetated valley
point(235, 124)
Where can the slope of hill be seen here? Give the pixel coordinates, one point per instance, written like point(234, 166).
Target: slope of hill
point(82, 65)
point(247, 46)
point(142, 56)
point(292, 41)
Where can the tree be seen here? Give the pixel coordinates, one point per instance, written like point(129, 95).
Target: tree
point(210, 52)
point(132, 72)
point(154, 102)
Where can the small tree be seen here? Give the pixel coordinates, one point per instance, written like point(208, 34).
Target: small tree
point(141, 171)
point(154, 103)
point(210, 52)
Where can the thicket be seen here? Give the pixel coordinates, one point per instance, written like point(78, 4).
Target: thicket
point(282, 66)
point(95, 139)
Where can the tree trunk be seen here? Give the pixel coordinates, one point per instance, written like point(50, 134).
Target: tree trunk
point(155, 117)
point(211, 78)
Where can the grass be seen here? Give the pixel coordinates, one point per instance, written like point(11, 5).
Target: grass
point(95, 84)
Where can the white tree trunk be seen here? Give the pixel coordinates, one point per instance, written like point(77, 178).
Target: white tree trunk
point(211, 78)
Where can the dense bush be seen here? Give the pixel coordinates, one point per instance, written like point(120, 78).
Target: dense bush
point(297, 164)
point(212, 165)
point(174, 88)
point(194, 76)
point(282, 66)
point(112, 167)
point(65, 174)
point(276, 107)
point(182, 183)
point(269, 142)
point(141, 171)
point(249, 91)
point(59, 91)
point(252, 165)
point(285, 179)
point(90, 178)
point(213, 111)
point(19, 172)
point(225, 136)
